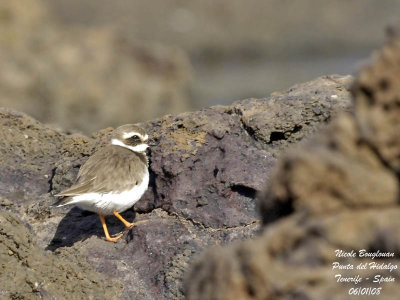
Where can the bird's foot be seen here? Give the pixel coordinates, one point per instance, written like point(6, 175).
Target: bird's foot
point(114, 239)
point(130, 225)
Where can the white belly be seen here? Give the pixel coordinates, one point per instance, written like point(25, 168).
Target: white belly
point(106, 203)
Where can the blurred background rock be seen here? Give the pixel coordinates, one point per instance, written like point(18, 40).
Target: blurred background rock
point(84, 78)
point(96, 63)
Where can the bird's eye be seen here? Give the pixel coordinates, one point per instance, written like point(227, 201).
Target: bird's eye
point(134, 138)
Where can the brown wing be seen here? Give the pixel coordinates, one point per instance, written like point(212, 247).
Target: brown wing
point(111, 169)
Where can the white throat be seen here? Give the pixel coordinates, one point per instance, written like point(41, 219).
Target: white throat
point(138, 148)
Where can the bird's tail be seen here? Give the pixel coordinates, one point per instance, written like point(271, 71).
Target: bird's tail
point(61, 202)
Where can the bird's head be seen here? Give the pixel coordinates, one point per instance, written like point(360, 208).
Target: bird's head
point(131, 137)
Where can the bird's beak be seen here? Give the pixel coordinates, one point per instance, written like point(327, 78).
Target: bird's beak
point(151, 144)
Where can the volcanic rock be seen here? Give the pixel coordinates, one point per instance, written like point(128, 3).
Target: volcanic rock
point(206, 169)
point(336, 191)
point(28, 272)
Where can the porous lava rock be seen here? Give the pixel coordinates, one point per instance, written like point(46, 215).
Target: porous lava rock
point(206, 169)
point(28, 272)
point(336, 191)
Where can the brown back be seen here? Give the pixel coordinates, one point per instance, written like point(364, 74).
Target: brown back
point(111, 169)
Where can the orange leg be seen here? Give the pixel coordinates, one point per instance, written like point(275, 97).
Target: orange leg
point(126, 223)
point(108, 238)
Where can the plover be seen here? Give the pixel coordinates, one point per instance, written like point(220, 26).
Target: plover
point(113, 179)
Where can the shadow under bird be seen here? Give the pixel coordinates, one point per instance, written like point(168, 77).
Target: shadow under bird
point(113, 179)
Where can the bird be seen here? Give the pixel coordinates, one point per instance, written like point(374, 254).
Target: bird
point(113, 179)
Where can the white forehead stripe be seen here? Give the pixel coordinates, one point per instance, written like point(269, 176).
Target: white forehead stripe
point(138, 148)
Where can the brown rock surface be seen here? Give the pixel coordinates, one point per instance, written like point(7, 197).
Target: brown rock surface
point(338, 190)
point(28, 272)
point(84, 79)
point(206, 169)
